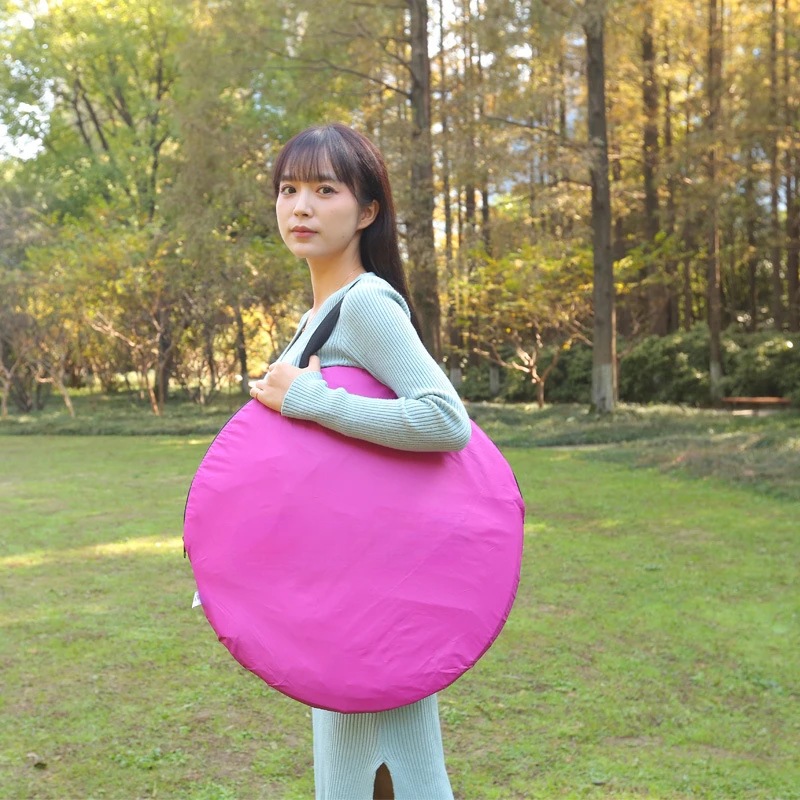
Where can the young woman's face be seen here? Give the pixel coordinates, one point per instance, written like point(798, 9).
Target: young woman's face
point(319, 219)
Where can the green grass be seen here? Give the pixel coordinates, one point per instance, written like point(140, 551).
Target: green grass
point(652, 650)
point(759, 452)
point(123, 413)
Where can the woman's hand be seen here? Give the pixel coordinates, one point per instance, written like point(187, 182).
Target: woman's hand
point(272, 388)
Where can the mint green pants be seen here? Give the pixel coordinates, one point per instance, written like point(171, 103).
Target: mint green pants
point(349, 748)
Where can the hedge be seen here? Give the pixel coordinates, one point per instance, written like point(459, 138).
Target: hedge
point(662, 369)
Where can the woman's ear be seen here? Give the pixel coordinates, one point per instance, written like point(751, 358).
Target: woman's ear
point(368, 214)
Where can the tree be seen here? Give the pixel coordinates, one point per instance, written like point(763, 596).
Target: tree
point(604, 340)
point(714, 80)
point(526, 304)
point(419, 239)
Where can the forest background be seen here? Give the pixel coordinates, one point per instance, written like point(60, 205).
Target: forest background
point(597, 200)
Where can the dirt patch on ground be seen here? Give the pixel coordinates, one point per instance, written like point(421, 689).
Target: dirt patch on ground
point(709, 752)
point(634, 741)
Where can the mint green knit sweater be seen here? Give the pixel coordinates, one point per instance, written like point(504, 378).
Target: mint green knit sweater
point(374, 332)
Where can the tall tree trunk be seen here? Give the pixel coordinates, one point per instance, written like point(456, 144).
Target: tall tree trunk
point(470, 204)
point(689, 247)
point(792, 249)
point(445, 149)
point(210, 362)
point(751, 218)
point(618, 248)
point(671, 265)
point(656, 295)
point(420, 241)
point(714, 310)
point(775, 232)
point(690, 234)
point(604, 346)
point(164, 360)
point(792, 172)
point(241, 351)
point(460, 220)
point(532, 193)
point(486, 234)
point(486, 231)
point(62, 390)
point(453, 333)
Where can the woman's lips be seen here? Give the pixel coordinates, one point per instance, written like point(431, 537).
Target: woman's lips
point(303, 234)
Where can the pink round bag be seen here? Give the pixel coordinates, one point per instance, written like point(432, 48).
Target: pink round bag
point(350, 576)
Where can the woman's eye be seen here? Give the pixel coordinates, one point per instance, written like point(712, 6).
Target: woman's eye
point(283, 189)
point(326, 189)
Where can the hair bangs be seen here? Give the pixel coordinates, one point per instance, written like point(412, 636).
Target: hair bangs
point(313, 155)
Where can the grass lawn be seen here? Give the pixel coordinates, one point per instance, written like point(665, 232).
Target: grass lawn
point(652, 651)
point(761, 452)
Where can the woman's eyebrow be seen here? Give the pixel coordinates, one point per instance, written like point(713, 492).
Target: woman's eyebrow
point(314, 178)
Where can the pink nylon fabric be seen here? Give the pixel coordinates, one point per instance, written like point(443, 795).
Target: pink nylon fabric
point(349, 576)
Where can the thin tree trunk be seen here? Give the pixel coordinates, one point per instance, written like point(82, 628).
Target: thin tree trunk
point(792, 252)
point(656, 295)
point(452, 267)
point(690, 246)
point(494, 380)
point(420, 241)
point(448, 214)
point(618, 247)
point(563, 136)
point(671, 266)
point(241, 351)
point(713, 258)
point(604, 345)
point(532, 180)
point(470, 205)
point(486, 234)
point(460, 220)
point(65, 396)
point(774, 179)
point(165, 351)
point(751, 218)
point(144, 372)
point(470, 202)
point(211, 363)
point(792, 171)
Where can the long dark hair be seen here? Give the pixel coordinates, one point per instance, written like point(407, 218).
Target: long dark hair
point(358, 164)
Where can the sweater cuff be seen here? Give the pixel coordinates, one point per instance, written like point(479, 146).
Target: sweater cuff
point(304, 396)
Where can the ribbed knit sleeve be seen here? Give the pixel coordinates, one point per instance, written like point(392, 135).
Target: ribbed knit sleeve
point(375, 332)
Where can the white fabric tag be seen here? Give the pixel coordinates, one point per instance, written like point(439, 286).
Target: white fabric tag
point(196, 601)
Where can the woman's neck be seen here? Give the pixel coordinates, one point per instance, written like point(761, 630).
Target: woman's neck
point(326, 281)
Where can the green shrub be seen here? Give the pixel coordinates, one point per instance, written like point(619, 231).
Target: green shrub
point(766, 363)
point(662, 369)
point(571, 379)
point(475, 383)
point(667, 369)
point(516, 387)
point(674, 368)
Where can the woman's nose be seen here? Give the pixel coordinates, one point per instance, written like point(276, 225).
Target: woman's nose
point(302, 204)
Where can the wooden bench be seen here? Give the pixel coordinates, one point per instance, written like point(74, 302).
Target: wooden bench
point(752, 405)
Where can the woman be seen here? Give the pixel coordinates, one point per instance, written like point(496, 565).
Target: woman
point(334, 208)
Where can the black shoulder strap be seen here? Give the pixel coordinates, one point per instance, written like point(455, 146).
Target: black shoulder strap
point(322, 333)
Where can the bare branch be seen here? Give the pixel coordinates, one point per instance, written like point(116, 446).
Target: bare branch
point(379, 5)
point(323, 63)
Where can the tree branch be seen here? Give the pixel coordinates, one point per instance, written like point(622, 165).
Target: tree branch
point(323, 63)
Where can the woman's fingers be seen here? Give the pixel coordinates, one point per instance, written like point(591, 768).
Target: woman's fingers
point(272, 388)
point(314, 364)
